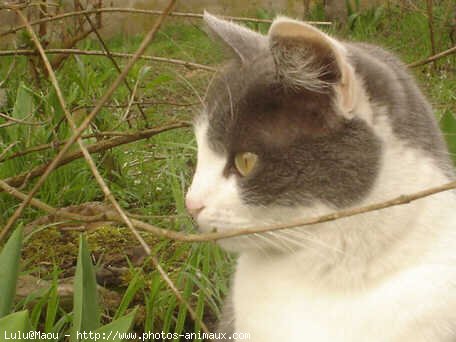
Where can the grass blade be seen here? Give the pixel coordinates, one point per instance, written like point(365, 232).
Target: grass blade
point(12, 324)
point(86, 312)
point(116, 331)
point(9, 271)
point(133, 287)
point(52, 306)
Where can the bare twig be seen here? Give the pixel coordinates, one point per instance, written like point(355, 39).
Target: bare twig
point(8, 124)
point(68, 44)
point(204, 237)
point(127, 113)
point(431, 24)
point(111, 57)
point(87, 156)
point(47, 208)
point(433, 58)
point(28, 52)
point(143, 11)
point(190, 65)
point(100, 146)
point(19, 121)
point(103, 144)
point(150, 35)
point(82, 147)
point(12, 220)
point(9, 147)
point(147, 103)
point(9, 72)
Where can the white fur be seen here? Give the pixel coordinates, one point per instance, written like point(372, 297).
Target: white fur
point(388, 275)
point(383, 276)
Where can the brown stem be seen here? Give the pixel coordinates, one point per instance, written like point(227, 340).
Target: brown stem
point(28, 52)
point(431, 25)
point(433, 58)
point(143, 11)
point(110, 56)
point(98, 147)
point(68, 44)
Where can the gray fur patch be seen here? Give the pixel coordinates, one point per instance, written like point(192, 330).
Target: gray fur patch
point(389, 84)
point(307, 150)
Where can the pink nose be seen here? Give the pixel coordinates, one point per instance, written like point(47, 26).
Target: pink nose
point(194, 207)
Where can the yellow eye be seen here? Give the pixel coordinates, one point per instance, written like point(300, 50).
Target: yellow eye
point(245, 162)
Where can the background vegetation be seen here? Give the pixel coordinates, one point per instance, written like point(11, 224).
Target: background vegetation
point(150, 174)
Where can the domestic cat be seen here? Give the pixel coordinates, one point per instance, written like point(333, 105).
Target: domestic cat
point(300, 124)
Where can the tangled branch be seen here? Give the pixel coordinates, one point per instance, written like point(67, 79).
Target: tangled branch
point(111, 215)
point(100, 146)
point(77, 132)
point(143, 11)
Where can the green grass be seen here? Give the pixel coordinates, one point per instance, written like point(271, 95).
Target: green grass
point(150, 177)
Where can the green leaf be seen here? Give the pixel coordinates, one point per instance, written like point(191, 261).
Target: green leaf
point(9, 271)
point(22, 110)
point(115, 331)
point(14, 323)
point(52, 305)
point(86, 312)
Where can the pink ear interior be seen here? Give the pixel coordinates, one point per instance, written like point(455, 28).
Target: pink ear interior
point(301, 50)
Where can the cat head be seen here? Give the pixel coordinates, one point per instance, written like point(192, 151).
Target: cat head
point(278, 137)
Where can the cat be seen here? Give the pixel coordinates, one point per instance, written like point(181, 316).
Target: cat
point(300, 124)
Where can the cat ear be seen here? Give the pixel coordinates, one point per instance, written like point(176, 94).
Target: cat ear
point(244, 42)
point(308, 58)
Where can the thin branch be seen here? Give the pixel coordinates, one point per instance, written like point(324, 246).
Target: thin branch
point(189, 65)
point(433, 58)
point(7, 124)
point(6, 150)
point(148, 38)
point(22, 122)
point(205, 237)
point(400, 200)
point(143, 11)
point(17, 213)
point(429, 9)
point(76, 137)
point(146, 103)
point(111, 57)
point(137, 135)
point(107, 192)
point(100, 146)
point(9, 72)
point(47, 208)
point(68, 44)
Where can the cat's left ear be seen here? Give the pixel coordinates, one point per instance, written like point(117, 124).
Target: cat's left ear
point(243, 42)
point(306, 57)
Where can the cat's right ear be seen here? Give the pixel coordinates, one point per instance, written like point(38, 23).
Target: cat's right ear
point(305, 57)
point(243, 42)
